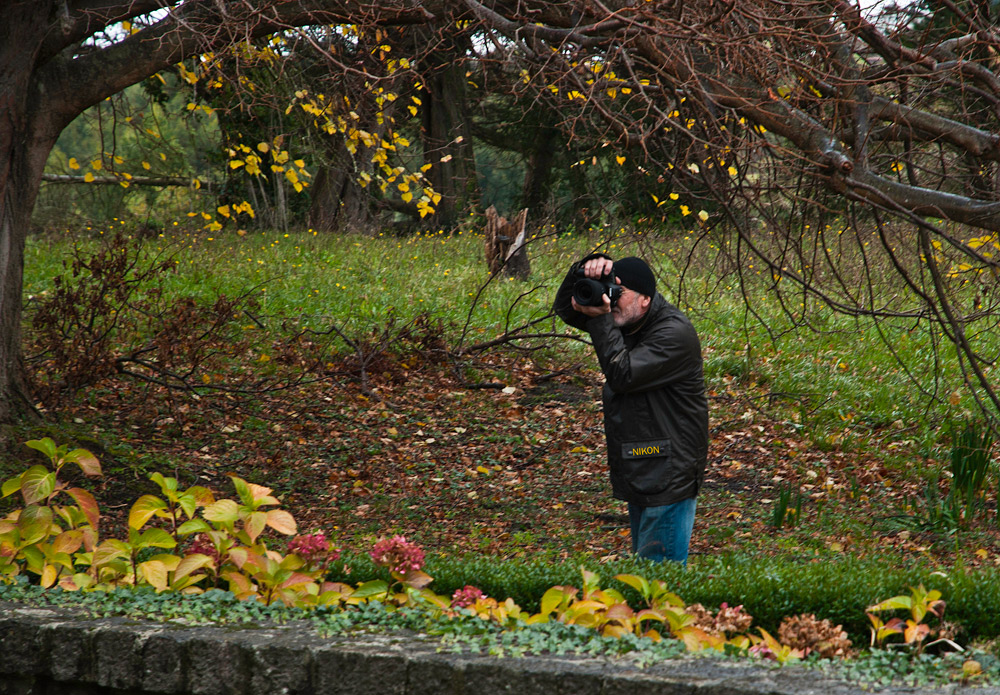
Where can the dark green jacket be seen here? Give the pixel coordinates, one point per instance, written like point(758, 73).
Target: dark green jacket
point(655, 407)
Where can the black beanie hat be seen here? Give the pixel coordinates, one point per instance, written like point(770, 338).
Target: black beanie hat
point(636, 275)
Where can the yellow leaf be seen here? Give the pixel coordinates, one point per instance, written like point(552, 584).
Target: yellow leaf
point(264, 358)
point(732, 171)
point(97, 164)
point(281, 521)
point(674, 196)
point(982, 554)
point(147, 166)
point(155, 573)
point(49, 576)
point(579, 450)
point(620, 159)
point(263, 147)
point(223, 210)
point(407, 197)
point(702, 215)
point(88, 177)
point(73, 164)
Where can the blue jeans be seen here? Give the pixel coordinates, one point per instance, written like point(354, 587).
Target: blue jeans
point(663, 533)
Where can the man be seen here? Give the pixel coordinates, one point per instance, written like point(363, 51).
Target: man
point(655, 408)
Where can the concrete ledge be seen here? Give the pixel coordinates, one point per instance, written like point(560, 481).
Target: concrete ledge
point(47, 651)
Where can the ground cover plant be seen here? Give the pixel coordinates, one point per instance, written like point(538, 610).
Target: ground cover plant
point(372, 383)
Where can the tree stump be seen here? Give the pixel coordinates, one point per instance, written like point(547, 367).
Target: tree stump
point(505, 244)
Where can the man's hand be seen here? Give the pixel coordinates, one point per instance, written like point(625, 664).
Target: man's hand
point(593, 311)
point(597, 268)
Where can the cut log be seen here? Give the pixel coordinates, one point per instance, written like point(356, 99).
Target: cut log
point(506, 247)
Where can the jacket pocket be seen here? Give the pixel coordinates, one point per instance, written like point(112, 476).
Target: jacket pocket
point(646, 465)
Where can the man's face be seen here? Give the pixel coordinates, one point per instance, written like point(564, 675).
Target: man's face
point(630, 307)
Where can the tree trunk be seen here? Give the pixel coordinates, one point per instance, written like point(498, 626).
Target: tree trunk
point(23, 151)
point(447, 135)
point(538, 172)
point(337, 201)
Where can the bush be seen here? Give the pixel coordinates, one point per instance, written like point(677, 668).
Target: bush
point(769, 589)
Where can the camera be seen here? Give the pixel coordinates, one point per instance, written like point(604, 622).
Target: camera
point(589, 292)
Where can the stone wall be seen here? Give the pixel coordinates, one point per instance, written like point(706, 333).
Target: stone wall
point(46, 651)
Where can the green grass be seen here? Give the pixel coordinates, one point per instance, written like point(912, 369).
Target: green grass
point(837, 380)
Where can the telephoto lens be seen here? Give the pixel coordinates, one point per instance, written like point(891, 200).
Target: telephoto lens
point(588, 292)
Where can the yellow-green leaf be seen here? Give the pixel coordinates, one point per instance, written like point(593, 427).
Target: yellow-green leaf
point(144, 509)
point(222, 511)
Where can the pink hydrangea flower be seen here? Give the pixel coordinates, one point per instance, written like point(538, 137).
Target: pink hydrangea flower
point(763, 651)
point(398, 554)
point(466, 596)
point(314, 549)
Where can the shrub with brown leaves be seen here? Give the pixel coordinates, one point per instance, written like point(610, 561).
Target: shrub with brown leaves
point(809, 634)
point(730, 620)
